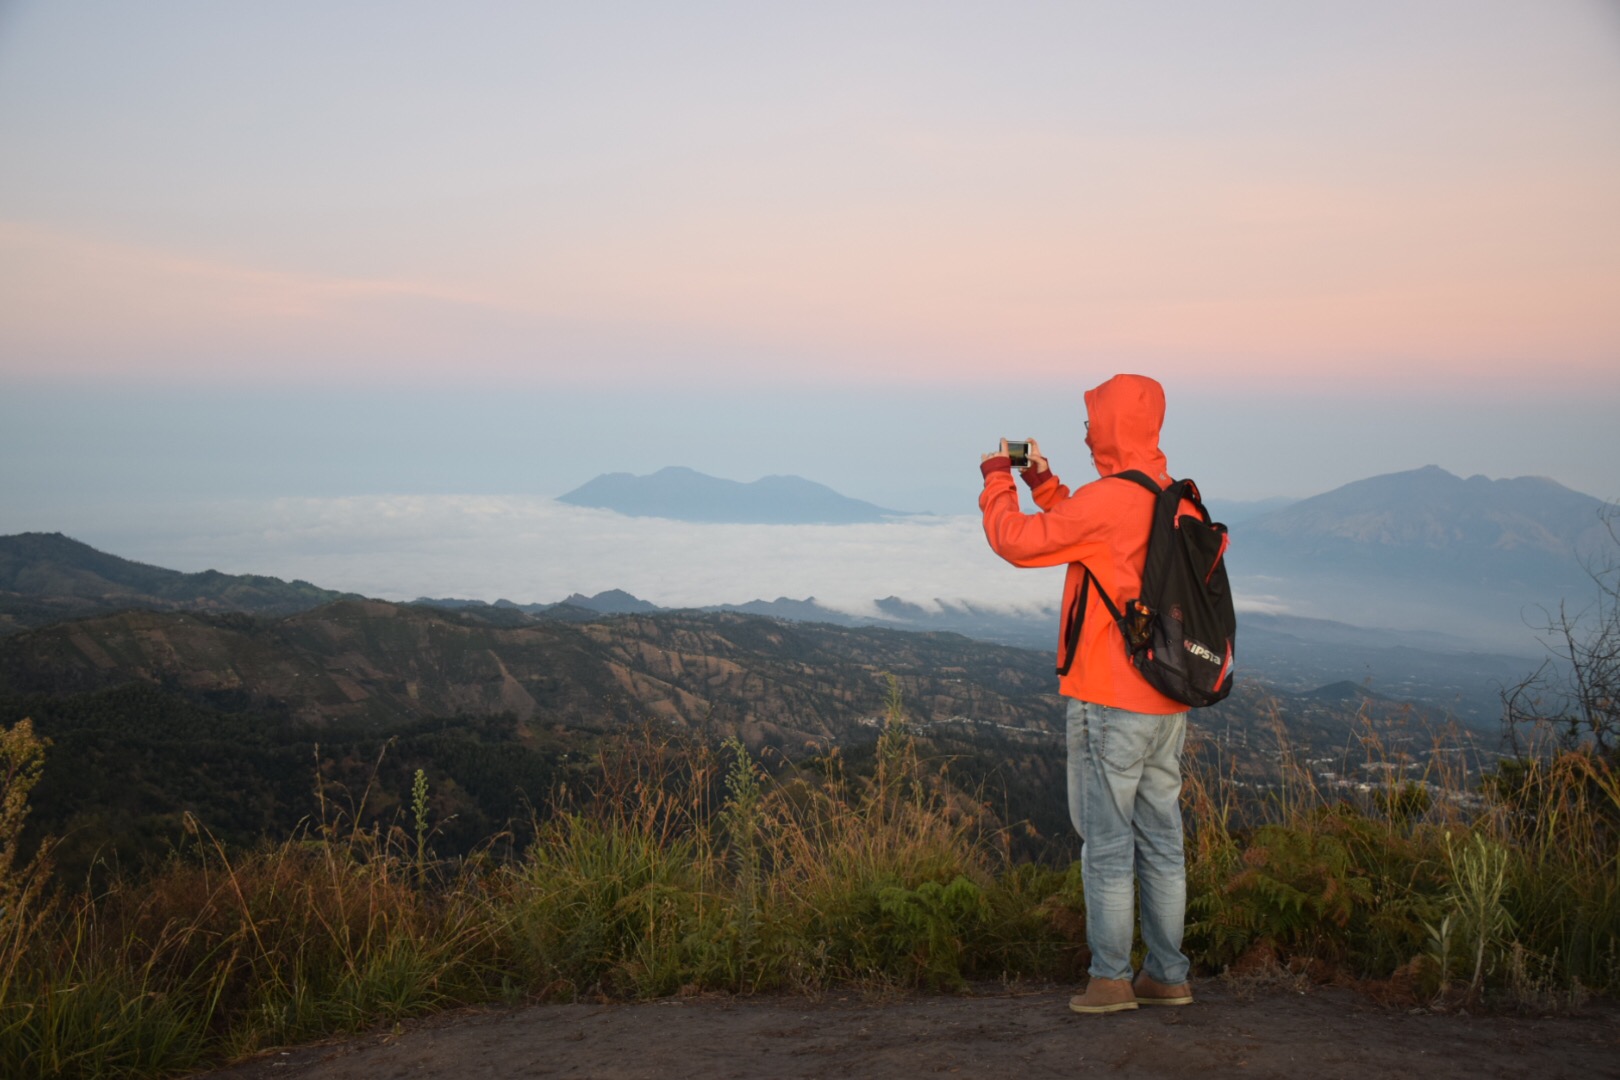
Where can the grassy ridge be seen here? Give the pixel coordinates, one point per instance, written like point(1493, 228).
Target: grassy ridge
point(688, 868)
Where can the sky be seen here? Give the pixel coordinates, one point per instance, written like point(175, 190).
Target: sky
point(307, 254)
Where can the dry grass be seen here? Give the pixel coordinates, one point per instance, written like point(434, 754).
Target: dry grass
point(689, 869)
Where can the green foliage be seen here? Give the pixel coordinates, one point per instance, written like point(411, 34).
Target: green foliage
point(743, 825)
point(680, 868)
point(1476, 926)
point(1298, 890)
point(23, 914)
point(1563, 872)
point(1037, 920)
point(1335, 885)
point(928, 930)
point(100, 1023)
point(214, 956)
point(1523, 898)
point(419, 815)
point(143, 758)
point(604, 906)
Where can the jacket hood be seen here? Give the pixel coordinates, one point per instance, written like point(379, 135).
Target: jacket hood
point(1123, 417)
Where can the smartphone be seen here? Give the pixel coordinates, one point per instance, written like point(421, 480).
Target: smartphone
point(1019, 452)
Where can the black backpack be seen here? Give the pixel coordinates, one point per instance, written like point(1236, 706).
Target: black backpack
point(1179, 631)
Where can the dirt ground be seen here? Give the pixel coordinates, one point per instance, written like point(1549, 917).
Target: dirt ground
point(1025, 1033)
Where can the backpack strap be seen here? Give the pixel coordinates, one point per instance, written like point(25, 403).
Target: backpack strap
point(1078, 619)
point(1136, 476)
point(1139, 477)
point(1188, 489)
point(1072, 634)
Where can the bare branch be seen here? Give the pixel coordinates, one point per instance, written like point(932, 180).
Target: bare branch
point(1574, 697)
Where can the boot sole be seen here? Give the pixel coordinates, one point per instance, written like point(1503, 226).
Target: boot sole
point(1091, 1010)
point(1165, 1001)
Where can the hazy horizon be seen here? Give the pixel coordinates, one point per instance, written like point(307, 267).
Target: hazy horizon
point(73, 445)
point(535, 549)
point(400, 250)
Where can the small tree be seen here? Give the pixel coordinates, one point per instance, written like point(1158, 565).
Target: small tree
point(1575, 695)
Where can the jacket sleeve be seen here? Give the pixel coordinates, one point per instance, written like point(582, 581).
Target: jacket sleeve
point(1046, 489)
point(1062, 534)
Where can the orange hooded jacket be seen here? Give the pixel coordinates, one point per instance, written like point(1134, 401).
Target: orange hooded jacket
point(1104, 525)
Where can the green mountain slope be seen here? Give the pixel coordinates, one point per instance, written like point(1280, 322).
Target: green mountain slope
point(231, 718)
point(384, 664)
point(797, 687)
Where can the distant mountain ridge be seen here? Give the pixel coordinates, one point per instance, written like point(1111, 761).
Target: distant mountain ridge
point(46, 577)
point(1430, 509)
point(1428, 550)
point(608, 602)
point(683, 494)
point(1426, 582)
point(1233, 511)
point(1282, 651)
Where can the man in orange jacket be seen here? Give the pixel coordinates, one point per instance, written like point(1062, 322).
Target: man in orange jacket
point(1124, 737)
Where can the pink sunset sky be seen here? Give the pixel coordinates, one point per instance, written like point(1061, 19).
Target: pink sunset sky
point(1367, 236)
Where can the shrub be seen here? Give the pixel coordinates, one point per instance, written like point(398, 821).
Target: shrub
point(686, 868)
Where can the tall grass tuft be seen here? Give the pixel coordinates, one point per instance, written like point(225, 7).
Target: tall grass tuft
point(22, 882)
point(217, 954)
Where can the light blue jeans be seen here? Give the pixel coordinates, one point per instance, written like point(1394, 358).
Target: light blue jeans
point(1124, 801)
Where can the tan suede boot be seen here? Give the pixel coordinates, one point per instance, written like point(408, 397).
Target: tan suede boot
point(1150, 991)
point(1104, 996)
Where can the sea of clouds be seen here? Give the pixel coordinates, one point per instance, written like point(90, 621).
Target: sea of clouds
point(530, 549)
point(533, 549)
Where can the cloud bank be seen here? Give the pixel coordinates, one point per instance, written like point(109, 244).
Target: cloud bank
point(530, 549)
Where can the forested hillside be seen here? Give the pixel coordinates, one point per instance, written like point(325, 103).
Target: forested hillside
point(244, 721)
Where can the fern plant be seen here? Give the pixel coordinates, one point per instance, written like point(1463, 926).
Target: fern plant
point(1297, 890)
point(928, 928)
